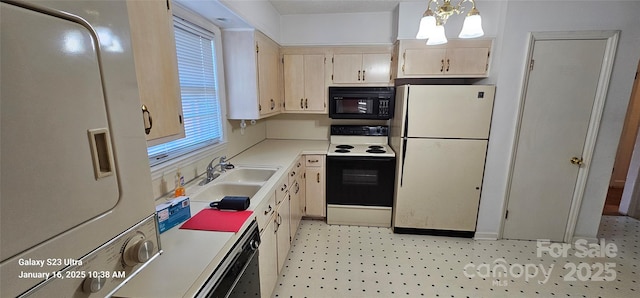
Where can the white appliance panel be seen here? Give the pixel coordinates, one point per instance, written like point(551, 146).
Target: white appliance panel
point(74, 167)
point(439, 184)
point(45, 129)
point(444, 111)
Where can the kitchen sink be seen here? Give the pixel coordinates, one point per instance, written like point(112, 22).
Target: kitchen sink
point(216, 192)
point(247, 175)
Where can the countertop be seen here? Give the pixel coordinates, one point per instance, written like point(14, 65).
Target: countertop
point(189, 257)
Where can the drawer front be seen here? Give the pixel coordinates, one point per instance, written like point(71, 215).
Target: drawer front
point(282, 188)
point(314, 160)
point(296, 171)
point(266, 211)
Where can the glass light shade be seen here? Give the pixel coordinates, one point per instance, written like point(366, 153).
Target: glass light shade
point(472, 27)
point(427, 25)
point(437, 37)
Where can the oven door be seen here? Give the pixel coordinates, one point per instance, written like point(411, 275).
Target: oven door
point(362, 181)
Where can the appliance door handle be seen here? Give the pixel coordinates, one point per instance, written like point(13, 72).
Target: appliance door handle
point(404, 156)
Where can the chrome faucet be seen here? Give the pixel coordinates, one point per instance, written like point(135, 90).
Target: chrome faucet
point(211, 169)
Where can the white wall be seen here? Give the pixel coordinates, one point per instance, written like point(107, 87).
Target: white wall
point(522, 18)
point(338, 29)
point(258, 13)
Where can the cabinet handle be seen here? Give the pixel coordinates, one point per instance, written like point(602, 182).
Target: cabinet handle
point(318, 177)
point(363, 75)
point(147, 129)
point(359, 75)
point(273, 104)
point(284, 187)
point(442, 65)
point(306, 103)
point(313, 161)
point(268, 210)
point(293, 173)
point(448, 64)
point(301, 100)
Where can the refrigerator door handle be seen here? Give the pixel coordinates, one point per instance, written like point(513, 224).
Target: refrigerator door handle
point(404, 156)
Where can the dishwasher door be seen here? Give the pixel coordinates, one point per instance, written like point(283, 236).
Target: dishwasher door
point(238, 275)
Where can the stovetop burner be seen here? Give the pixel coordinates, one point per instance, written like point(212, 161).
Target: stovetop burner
point(376, 151)
point(359, 141)
point(344, 147)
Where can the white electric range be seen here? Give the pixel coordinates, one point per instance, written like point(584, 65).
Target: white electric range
point(360, 176)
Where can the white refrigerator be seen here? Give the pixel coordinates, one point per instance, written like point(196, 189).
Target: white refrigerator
point(440, 135)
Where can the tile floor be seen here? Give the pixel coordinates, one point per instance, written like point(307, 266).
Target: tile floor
point(350, 261)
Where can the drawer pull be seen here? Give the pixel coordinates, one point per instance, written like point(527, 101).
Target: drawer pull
point(268, 211)
point(315, 160)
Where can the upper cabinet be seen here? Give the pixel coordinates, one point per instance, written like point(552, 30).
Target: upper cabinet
point(252, 74)
point(156, 65)
point(362, 68)
point(458, 58)
point(304, 83)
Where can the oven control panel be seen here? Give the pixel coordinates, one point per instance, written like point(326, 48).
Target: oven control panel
point(359, 130)
point(105, 269)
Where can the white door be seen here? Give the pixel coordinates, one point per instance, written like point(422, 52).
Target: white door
point(439, 184)
point(450, 111)
point(555, 118)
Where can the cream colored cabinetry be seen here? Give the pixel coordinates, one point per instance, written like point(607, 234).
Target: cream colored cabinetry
point(304, 84)
point(458, 58)
point(252, 74)
point(283, 233)
point(268, 258)
point(154, 51)
point(315, 186)
point(362, 68)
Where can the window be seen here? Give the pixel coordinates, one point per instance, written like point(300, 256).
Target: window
point(196, 54)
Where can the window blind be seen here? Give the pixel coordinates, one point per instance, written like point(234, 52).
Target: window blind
point(198, 87)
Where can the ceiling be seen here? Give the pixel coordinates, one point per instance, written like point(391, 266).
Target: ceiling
point(287, 7)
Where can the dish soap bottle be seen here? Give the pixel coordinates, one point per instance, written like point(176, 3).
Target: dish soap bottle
point(179, 184)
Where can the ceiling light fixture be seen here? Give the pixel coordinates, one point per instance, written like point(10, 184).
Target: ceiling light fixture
point(432, 22)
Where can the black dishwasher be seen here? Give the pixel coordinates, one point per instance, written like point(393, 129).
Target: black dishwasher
point(238, 275)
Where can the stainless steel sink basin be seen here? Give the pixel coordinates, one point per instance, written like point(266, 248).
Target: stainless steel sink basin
point(216, 192)
point(247, 175)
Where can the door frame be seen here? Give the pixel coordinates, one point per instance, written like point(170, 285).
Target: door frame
point(612, 37)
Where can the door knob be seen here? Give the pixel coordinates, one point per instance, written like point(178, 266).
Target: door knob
point(577, 161)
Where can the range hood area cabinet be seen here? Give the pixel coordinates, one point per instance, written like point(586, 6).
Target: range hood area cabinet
point(252, 74)
point(156, 64)
point(456, 59)
point(361, 66)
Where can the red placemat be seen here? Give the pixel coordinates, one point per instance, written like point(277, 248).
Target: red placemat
point(216, 220)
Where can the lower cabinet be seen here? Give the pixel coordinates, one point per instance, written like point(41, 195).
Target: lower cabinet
point(315, 186)
point(283, 236)
point(296, 208)
point(268, 259)
point(278, 220)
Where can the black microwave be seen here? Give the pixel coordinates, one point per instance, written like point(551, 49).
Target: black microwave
point(361, 102)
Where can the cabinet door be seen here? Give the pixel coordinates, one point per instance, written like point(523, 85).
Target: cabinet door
point(294, 82)
point(314, 86)
point(268, 258)
point(376, 68)
point(296, 212)
point(154, 50)
point(268, 57)
point(468, 61)
point(347, 68)
point(315, 192)
point(283, 234)
point(424, 61)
